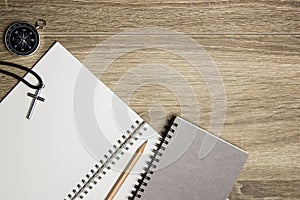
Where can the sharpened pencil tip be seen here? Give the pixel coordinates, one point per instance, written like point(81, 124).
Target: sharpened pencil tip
point(142, 147)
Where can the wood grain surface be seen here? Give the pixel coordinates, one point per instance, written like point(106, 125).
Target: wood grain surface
point(254, 44)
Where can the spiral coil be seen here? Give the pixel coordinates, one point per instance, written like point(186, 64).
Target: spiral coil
point(100, 169)
point(157, 152)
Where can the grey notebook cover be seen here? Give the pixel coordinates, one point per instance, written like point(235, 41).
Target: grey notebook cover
point(194, 170)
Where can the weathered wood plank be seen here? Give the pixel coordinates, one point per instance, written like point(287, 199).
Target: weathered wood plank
point(210, 16)
point(259, 190)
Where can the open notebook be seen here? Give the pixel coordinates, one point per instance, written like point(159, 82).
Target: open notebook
point(72, 140)
point(80, 139)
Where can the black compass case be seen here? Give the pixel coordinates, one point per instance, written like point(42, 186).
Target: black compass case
point(22, 39)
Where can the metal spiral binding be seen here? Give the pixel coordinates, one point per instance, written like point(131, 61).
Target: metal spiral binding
point(145, 177)
point(96, 173)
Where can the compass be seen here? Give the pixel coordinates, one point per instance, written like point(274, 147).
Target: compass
point(22, 38)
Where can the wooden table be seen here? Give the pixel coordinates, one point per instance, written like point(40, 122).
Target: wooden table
point(254, 44)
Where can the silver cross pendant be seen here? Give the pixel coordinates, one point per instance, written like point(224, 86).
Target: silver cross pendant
point(36, 98)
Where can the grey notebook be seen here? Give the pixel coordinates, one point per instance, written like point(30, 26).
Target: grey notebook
point(190, 168)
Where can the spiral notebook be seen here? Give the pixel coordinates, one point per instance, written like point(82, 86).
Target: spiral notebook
point(80, 139)
point(72, 140)
point(190, 168)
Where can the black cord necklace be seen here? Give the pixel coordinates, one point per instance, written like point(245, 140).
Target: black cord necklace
point(37, 87)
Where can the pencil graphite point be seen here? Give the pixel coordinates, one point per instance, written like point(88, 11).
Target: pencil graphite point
point(142, 147)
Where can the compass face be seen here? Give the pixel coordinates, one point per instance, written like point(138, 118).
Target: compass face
point(22, 39)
